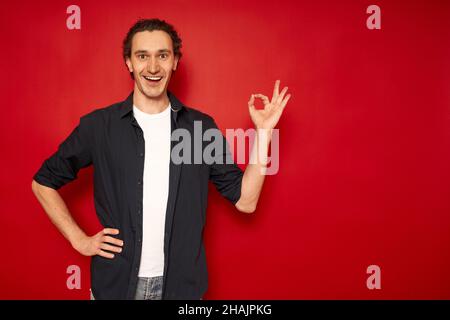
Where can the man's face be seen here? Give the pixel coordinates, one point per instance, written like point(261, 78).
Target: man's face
point(152, 62)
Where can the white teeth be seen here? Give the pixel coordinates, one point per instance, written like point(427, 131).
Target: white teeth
point(153, 78)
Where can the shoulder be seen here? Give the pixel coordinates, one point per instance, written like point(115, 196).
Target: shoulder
point(191, 114)
point(101, 115)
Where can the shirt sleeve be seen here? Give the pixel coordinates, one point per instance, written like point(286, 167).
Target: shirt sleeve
point(73, 154)
point(227, 176)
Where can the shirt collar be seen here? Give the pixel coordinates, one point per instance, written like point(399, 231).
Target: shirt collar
point(127, 104)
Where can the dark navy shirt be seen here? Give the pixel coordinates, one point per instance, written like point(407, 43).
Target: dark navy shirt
point(111, 140)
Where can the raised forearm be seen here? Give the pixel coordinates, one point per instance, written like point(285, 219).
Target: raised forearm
point(254, 174)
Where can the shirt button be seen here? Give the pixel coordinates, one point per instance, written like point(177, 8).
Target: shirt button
point(139, 182)
point(141, 154)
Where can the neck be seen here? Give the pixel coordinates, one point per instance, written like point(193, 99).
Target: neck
point(150, 105)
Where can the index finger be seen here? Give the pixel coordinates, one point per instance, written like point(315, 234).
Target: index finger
point(262, 97)
point(110, 231)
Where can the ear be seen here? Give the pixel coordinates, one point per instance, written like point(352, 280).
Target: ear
point(175, 63)
point(129, 65)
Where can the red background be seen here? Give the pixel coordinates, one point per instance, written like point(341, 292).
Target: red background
point(364, 142)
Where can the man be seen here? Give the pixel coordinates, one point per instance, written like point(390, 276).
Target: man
point(152, 208)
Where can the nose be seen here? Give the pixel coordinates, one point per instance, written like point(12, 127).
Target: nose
point(153, 65)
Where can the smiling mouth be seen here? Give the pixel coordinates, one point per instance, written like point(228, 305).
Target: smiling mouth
point(153, 79)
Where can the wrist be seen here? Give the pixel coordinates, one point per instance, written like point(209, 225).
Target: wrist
point(77, 240)
point(264, 134)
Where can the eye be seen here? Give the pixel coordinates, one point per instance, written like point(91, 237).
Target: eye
point(163, 55)
point(142, 57)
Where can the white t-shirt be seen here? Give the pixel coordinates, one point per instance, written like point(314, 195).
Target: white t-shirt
point(156, 128)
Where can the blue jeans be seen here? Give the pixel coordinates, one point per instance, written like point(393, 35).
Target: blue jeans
point(147, 289)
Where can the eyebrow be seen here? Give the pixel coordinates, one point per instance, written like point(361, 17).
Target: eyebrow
point(159, 51)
